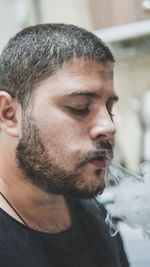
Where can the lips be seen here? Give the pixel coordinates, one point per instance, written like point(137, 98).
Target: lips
point(100, 162)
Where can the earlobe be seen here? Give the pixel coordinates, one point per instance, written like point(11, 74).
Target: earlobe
point(8, 109)
point(10, 128)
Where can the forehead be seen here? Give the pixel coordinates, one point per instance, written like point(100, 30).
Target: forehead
point(78, 75)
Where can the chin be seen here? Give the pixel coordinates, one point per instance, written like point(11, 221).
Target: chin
point(89, 189)
point(88, 192)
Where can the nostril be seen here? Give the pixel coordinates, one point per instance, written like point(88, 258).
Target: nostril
point(101, 131)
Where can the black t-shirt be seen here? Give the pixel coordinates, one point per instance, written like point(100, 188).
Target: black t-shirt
point(87, 243)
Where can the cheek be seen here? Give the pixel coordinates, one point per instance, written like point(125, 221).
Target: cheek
point(63, 132)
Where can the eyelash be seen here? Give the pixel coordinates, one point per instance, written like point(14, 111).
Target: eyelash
point(79, 112)
point(111, 114)
point(84, 111)
point(109, 108)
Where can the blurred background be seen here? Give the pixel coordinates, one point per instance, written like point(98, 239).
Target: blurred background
point(125, 27)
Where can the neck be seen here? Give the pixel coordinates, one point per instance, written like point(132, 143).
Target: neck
point(40, 210)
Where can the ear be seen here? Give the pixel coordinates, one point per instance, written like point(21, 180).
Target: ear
point(8, 112)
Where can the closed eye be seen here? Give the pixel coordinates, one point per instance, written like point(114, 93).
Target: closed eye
point(111, 114)
point(79, 111)
point(110, 106)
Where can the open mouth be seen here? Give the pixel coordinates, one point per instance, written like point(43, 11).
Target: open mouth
point(100, 162)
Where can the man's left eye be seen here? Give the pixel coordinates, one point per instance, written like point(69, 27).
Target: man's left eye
point(79, 111)
point(111, 115)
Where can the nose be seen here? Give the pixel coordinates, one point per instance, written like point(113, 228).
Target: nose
point(102, 125)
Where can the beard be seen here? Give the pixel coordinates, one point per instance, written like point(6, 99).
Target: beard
point(44, 172)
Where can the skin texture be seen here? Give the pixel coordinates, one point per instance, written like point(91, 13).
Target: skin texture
point(49, 149)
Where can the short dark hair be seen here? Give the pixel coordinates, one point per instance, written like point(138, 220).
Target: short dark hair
point(37, 52)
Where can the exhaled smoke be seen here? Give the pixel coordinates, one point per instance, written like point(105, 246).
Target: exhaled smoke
point(127, 197)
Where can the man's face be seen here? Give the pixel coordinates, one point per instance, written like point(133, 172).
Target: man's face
point(68, 132)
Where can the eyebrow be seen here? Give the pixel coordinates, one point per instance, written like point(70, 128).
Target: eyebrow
point(114, 97)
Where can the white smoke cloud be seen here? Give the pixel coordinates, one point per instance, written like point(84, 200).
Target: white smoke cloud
point(127, 197)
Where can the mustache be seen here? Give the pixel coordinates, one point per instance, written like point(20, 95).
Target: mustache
point(104, 150)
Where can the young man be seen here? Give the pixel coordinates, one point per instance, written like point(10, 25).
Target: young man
point(56, 139)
